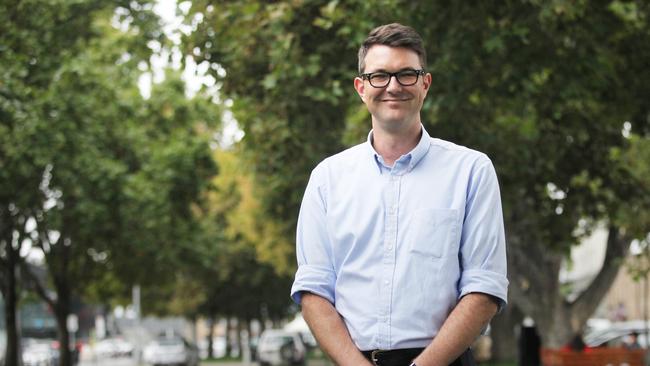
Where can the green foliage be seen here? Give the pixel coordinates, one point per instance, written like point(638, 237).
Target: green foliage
point(239, 281)
point(543, 87)
point(544, 90)
point(120, 187)
point(290, 86)
point(109, 177)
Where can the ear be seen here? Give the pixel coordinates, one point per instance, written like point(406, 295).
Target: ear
point(360, 88)
point(427, 81)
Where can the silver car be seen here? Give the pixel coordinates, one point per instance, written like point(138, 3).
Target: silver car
point(170, 351)
point(280, 347)
point(113, 347)
point(39, 352)
point(617, 334)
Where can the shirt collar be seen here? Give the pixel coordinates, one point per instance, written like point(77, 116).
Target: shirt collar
point(412, 158)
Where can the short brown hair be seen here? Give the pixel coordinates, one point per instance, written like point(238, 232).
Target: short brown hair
point(393, 35)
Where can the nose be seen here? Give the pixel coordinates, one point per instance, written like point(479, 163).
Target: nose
point(393, 84)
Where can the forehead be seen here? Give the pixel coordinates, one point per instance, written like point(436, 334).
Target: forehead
point(382, 57)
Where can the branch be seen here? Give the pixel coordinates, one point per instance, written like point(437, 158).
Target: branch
point(618, 245)
point(529, 263)
point(38, 286)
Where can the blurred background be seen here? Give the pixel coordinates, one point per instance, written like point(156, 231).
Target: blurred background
point(153, 155)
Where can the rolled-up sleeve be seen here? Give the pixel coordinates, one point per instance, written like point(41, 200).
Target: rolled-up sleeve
point(315, 272)
point(483, 246)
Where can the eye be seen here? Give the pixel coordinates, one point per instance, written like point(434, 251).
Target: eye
point(407, 77)
point(407, 73)
point(379, 76)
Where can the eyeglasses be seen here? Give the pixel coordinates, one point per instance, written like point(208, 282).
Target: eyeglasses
point(381, 79)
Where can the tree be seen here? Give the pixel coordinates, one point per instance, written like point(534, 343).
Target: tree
point(222, 276)
point(248, 234)
point(545, 88)
point(106, 178)
point(35, 42)
point(542, 76)
point(125, 192)
point(236, 281)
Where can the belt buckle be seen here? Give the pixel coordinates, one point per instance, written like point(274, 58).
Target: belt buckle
point(373, 356)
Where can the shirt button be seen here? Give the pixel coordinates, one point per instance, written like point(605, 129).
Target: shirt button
point(390, 247)
point(386, 282)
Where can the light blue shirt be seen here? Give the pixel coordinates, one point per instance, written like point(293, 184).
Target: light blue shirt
point(395, 248)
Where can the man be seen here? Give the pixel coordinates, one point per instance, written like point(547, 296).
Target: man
point(400, 241)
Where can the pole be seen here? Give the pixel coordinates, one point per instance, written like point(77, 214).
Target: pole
point(645, 306)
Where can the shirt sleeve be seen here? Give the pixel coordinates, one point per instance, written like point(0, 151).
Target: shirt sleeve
point(483, 246)
point(315, 272)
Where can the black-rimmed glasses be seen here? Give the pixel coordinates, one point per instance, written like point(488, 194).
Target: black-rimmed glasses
point(381, 79)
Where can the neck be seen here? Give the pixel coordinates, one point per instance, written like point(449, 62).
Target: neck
point(391, 146)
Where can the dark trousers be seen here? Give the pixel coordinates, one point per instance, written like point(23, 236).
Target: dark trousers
point(404, 357)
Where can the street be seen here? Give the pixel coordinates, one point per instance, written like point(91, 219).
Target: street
point(125, 361)
point(140, 333)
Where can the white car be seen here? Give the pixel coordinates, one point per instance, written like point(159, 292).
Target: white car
point(280, 347)
point(168, 351)
point(616, 334)
point(37, 352)
point(113, 347)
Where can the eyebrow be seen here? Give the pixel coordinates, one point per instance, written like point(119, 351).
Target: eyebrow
point(384, 70)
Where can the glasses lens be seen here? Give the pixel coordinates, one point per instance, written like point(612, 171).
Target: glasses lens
point(379, 79)
point(407, 77)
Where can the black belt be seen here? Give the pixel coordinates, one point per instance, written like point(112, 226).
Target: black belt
point(395, 357)
point(404, 357)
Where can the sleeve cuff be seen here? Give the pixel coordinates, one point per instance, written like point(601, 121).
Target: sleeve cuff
point(487, 282)
point(315, 279)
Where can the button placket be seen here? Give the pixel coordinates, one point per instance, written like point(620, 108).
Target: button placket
point(390, 239)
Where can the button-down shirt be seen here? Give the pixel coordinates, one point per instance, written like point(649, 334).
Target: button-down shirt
point(395, 248)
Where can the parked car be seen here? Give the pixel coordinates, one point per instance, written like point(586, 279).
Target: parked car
point(616, 334)
point(75, 350)
point(39, 352)
point(280, 347)
point(3, 346)
point(113, 347)
point(170, 350)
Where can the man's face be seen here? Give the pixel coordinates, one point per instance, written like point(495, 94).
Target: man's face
point(394, 107)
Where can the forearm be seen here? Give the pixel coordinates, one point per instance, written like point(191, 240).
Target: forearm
point(459, 331)
point(330, 331)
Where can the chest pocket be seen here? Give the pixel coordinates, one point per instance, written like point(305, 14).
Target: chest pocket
point(435, 233)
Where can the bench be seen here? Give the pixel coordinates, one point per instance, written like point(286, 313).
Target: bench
point(605, 356)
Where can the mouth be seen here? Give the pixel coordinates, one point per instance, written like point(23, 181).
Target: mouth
point(395, 100)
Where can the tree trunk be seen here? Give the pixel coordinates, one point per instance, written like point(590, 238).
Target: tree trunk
point(502, 332)
point(535, 289)
point(228, 336)
point(241, 326)
point(555, 325)
point(211, 336)
point(61, 312)
point(237, 338)
point(12, 356)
